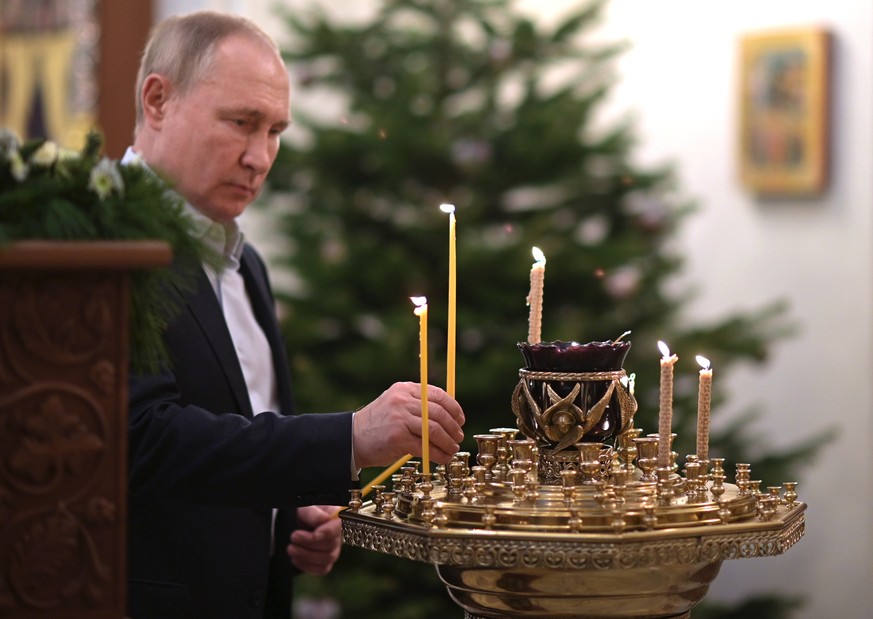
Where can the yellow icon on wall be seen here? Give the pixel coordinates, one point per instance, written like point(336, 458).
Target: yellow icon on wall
point(38, 46)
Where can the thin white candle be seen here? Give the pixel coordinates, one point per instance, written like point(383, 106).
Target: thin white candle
point(704, 403)
point(665, 408)
point(535, 297)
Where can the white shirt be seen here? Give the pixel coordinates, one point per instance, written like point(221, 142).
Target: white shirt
point(251, 345)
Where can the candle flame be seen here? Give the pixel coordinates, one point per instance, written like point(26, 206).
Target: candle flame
point(538, 255)
point(447, 208)
point(420, 304)
point(703, 361)
point(665, 350)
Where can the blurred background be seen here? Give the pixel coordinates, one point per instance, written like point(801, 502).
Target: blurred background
point(643, 214)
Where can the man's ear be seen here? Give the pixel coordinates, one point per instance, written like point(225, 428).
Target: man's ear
point(155, 94)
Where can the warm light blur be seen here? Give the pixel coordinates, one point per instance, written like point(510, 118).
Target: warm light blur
point(420, 304)
point(665, 350)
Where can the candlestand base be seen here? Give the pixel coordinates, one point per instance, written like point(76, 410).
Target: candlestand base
point(591, 551)
point(637, 593)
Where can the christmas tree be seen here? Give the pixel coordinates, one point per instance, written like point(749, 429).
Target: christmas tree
point(473, 103)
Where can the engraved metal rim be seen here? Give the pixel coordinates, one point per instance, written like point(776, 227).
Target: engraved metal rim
point(482, 548)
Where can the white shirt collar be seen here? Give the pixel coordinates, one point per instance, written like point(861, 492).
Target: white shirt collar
point(225, 238)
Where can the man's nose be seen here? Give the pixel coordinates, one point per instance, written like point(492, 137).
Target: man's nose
point(258, 154)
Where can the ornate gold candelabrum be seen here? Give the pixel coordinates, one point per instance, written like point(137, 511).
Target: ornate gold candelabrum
point(542, 525)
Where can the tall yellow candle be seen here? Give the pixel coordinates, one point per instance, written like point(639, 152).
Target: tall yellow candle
point(535, 297)
point(421, 312)
point(704, 403)
point(665, 408)
point(452, 325)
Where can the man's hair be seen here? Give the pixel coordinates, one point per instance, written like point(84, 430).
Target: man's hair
point(182, 48)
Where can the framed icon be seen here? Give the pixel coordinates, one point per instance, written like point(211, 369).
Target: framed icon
point(784, 111)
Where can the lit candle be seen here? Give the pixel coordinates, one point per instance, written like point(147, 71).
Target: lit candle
point(535, 297)
point(665, 408)
point(450, 347)
point(421, 312)
point(704, 402)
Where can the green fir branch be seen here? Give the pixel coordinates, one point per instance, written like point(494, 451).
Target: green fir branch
point(52, 194)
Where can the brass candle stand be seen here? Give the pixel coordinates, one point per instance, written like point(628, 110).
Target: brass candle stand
point(595, 531)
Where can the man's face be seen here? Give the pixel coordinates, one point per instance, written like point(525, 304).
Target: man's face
point(218, 140)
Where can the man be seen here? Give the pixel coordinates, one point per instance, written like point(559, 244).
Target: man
point(215, 454)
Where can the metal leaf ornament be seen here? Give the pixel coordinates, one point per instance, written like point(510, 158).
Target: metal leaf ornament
point(521, 400)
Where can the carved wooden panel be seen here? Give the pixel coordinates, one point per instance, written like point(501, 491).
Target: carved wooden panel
point(63, 447)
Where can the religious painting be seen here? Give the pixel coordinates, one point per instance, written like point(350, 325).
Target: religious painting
point(784, 111)
point(48, 73)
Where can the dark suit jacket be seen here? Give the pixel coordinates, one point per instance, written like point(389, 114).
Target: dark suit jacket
point(205, 473)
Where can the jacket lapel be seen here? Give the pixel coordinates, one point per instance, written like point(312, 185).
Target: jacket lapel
point(204, 306)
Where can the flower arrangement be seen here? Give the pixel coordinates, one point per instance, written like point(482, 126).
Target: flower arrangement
point(51, 193)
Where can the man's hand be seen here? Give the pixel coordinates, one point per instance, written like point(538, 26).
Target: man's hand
point(390, 426)
point(315, 544)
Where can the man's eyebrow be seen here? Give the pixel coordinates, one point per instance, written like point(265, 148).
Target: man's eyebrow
point(250, 112)
point(256, 114)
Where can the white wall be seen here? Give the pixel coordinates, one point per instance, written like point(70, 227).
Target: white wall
point(679, 79)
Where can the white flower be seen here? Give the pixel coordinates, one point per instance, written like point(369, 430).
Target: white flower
point(67, 154)
point(134, 160)
point(45, 155)
point(105, 178)
point(17, 166)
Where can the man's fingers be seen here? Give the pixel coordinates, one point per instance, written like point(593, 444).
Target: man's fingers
point(312, 562)
point(312, 540)
point(441, 444)
point(446, 402)
point(390, 426)
point(313, 516)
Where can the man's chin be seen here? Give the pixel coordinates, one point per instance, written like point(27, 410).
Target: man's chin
point(231, 207)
